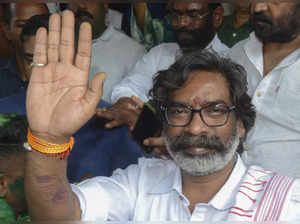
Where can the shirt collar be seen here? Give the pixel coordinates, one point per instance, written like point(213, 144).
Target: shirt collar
point(224, 199)
point(254, 50)
point(217, 46)
point(106, 35)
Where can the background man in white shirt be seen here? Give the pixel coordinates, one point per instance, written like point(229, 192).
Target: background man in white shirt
point(206, 114)
point(271, 57)
point(113, 51)
point(195, 24)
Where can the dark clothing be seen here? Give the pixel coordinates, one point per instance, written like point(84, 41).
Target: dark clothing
point(97, 151)
point(229, 35)
point(10, 80)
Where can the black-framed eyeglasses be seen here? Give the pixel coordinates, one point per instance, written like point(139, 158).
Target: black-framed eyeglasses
point(181, 115)
point(189, 17)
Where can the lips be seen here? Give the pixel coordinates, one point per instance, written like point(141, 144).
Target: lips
point(262, 23)
point(196, 151)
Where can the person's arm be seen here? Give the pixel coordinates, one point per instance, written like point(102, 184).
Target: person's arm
point(139, 81)
point(139, 10)
point(59, 102)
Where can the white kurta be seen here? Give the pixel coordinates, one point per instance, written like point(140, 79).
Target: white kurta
point(140, 80)
point(152, 191)
point(274, 142)
point(115, 54)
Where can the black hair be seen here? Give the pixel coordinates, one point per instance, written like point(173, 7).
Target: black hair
point(7, 14)
point(168, 81)
point(13, 132)
point(213, 6)
point(33, 24)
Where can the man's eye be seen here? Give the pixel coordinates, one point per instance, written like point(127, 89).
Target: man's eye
point(178, 111)
point(20, 25)
point(193, 15)
point(216, 110)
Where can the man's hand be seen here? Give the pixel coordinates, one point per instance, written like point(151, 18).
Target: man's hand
point(124, 112)
point(59, 100)
point(158, 144)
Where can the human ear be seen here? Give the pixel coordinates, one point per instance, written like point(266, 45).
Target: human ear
point(105, 6)
point(3, 187)
point(241, 130)
point(218, 17)
point(4, 28)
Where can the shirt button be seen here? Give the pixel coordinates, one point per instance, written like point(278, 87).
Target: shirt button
point(259, 94)
point(234, 34)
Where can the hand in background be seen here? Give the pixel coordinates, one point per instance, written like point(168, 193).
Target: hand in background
point(124, 112)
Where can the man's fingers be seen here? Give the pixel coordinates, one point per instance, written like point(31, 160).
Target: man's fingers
point(113, 124)
point(66, 50)
point(40, 48)
point(54, 38)
point(161, 152)
point(105, 113)
point(94, 93)
point(154, 142)
point(83, 57)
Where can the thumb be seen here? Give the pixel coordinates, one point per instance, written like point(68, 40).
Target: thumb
point(96, 89)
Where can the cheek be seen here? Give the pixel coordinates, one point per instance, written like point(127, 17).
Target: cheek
point(173, 131)
point(226, 131)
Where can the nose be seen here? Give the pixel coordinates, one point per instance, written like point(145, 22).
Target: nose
point(82, 5)
point(260, 7)
point(183, 21)
point(197, 126)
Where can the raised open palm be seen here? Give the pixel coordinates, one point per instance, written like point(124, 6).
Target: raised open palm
point(59, 100)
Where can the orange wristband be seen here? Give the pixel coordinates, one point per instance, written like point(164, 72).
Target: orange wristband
point(55, 150)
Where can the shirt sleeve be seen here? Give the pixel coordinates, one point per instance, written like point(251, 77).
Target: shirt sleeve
point(108, 198)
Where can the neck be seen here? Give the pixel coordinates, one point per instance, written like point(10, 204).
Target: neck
point(241, 17)
point(201, 189)
point(99, 32)
point(274, 53)
point(187, 50)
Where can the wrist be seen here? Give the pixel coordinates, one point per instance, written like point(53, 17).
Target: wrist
point(55, 139)
point(49, 145)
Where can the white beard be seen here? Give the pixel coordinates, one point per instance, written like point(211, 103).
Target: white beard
point(207, 164)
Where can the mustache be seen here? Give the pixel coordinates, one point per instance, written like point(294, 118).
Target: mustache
point(260, 17)
point(183, 30)
point(184, 142)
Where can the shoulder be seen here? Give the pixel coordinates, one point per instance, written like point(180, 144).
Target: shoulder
point(238, 49)
point(120, 35)
point(164, 49)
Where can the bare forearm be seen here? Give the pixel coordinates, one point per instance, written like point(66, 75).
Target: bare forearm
point(140, 12)
point(48, 192)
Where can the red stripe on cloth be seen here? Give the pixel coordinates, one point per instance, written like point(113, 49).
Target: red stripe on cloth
point(239, 214)
point(272, 201)
point(243, 210)
point(253, 200)
point(248, 188)
point(256, 184)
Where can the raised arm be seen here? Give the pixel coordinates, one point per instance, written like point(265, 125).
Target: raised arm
point(58, 103)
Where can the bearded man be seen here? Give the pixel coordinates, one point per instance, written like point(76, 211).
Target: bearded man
point(195, 24)
point(206, 113)
point(272, 60)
